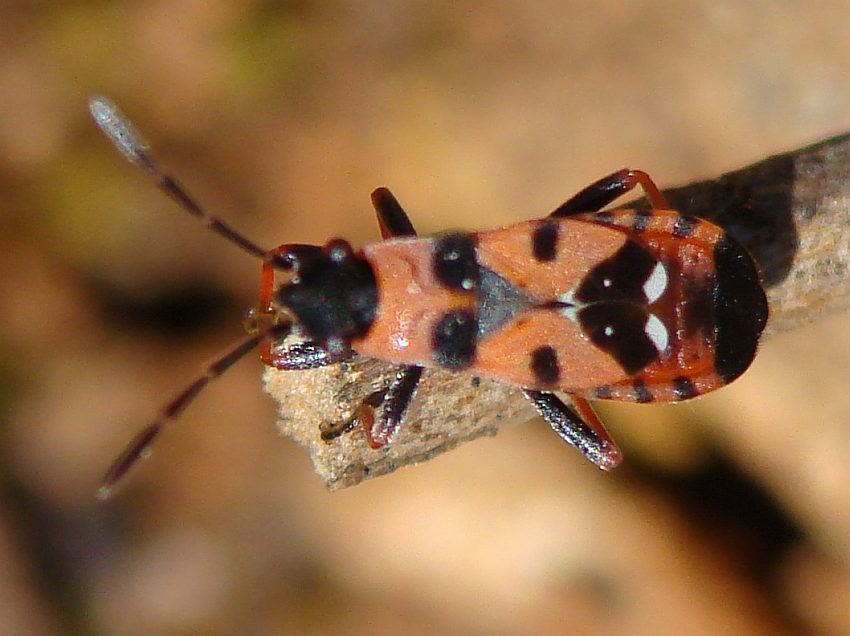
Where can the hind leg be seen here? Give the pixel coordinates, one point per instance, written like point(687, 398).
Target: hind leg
point(584, 431)
point(600, 193)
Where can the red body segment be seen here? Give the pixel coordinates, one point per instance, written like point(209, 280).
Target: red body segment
point(691, 263)
point(581, 246)
point(411, 301)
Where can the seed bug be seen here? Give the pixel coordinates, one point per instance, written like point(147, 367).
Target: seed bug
point(631, 305)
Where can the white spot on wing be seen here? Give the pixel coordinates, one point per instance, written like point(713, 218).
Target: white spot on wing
point(571, 310)
point(567, 298)
point(657, 332)
point(656, 283)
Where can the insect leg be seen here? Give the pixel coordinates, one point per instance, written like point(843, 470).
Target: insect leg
point(303, 355)
point(584, 431)
point(600, 193)
point(392, 218)
point(395, 402)
point(395, 399)
point(364, 415)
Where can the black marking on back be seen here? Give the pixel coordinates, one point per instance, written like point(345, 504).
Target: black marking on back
point(454, 339)
point(454, 261)
point(740, 309)
point(619, 329)
point(544, 365)
point(684, 226)
point(498, 302)
point(544, 240)
point(620, 277)
point(642, 392)
point(684, 389)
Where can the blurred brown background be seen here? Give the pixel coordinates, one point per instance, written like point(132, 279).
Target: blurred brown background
point(731, 515)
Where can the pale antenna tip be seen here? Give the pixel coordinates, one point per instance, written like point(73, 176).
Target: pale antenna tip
point(103, 493)
point(120, 130)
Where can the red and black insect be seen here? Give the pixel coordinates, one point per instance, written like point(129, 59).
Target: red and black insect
point(627, 305)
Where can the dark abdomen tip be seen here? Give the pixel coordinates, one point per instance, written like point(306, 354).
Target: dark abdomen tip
point(740, 308)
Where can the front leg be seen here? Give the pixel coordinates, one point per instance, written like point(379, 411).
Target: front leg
point(392, 219)
point(395, 400)
point(302, 356)
point(585, 432)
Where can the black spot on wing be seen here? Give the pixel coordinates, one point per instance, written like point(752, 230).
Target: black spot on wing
point(544, 365)
point(544, 240)
point(740, 309)
point(605, 217)
point(454, 261)
point(620, 277)
point(618, 328)
point(454, 340)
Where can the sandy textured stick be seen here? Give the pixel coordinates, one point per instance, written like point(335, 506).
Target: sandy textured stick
point(792, 211)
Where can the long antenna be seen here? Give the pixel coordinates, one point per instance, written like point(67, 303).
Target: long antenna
point(139, 447)
point(136, 150)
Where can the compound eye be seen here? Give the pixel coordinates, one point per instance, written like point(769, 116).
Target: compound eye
point(339, 250)
point(292, 256)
